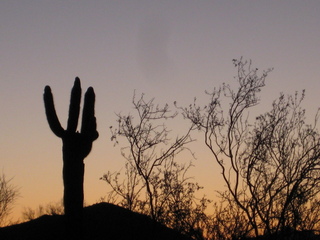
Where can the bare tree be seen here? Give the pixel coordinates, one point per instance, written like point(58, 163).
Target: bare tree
point(271, 166)
point(8, 195)
point(128, 189)
point(282, 167)
point(155, 184)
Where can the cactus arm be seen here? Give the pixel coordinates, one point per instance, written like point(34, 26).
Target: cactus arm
point(51, 113)
point(74, 107)
point(89, 125)
point(76, 146)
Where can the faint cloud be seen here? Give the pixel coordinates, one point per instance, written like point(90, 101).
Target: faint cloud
point(153, 48)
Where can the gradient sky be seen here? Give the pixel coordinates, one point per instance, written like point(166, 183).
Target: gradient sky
point(170, 50)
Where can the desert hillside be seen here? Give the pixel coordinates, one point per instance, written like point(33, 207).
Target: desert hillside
point(101, 221)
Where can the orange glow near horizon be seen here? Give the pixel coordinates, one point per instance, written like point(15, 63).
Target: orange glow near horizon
point(168, 50)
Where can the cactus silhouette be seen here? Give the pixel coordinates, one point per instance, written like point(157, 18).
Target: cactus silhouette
point(76, 145)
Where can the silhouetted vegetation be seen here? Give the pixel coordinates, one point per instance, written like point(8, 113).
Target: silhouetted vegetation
point(271, 166)
point(76, 146)
point(49, 209)
point(8, 194)
point(156, 184)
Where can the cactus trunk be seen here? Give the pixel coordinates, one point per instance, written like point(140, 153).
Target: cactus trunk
point(76, 146)
point(73, 177)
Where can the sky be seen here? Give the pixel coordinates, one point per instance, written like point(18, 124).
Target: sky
point(169, 50)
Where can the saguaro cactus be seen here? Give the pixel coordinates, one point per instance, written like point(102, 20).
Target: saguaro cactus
point(76, 145)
